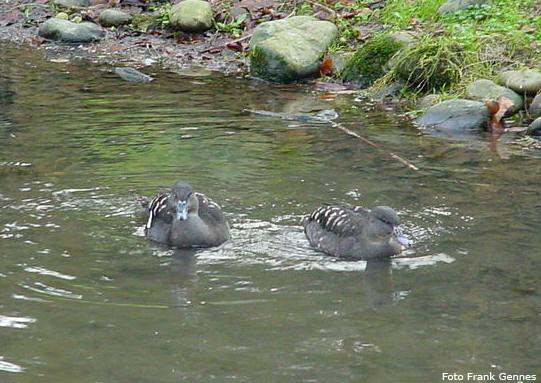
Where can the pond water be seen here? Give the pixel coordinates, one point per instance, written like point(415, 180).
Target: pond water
point(84, 297)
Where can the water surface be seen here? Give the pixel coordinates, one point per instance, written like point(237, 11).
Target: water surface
point(85, 298)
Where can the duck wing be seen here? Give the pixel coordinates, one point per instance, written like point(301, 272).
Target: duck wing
point(340, 220)
point(209, 211)
point(157, 209)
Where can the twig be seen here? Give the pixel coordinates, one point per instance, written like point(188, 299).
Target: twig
point(374, 145)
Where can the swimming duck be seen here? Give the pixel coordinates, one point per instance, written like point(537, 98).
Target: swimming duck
point(354, 232)
point(184, 218)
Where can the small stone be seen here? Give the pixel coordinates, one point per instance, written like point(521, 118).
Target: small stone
point(404, 38)
point(67, 31)
point(132, 75)
point(113, 18)
point(535, 128)
point(521, 81)
point(73, 3)
point(191, 16)
point(482, 90)
point(77, 19)
point(535, 107)
point(62, 16)
point(458, 5)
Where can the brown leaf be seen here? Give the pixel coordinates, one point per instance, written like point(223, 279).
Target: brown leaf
point(497, 109)
point(325, 68)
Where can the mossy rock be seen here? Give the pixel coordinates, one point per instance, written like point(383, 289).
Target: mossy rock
point(368, 63)
point(430, 65)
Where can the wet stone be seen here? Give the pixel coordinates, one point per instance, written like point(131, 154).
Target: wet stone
point(132, 75)
point(535, 128)
point(535, 107)
point(455, 116)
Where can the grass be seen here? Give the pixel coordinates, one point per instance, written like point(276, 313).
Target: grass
point(452, 49)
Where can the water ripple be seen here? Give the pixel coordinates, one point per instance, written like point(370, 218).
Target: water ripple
point(15, 322)
point(9, 367)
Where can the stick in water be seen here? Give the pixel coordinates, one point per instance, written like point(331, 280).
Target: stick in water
point(374, 145)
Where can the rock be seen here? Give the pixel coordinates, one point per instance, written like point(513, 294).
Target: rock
point(427, 101)
point(521, 81)
point(488, 90)
point(239, 13)
point(62, 15)
point(389, 91)
point(403, 38)
point(113, 18)
point(67, 31)
point(290, 49)
point(535, 128)
point(535, 107)
point(132, 75)
point(458, 5)
point(191, 16)
point(455, 116)
point(72, 3)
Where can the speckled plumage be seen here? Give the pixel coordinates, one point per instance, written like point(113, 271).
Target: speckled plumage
point(355, 232)
point(201, 222)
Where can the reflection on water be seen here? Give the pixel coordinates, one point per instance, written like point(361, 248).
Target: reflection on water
point(84, 296)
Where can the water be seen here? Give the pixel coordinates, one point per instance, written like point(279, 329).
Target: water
point(84, 297)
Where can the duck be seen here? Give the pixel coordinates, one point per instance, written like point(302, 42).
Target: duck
point(183, 218)
point(355, 232)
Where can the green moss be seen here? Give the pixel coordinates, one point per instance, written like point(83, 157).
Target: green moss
point(264, 66)
point(368, 63)
point(144, 21)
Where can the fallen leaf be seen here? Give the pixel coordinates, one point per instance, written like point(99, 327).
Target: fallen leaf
point(325, 68)
point(497, 109)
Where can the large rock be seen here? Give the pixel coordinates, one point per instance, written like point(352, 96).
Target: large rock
point(488, 90)
point(458, 5)
point(521, 81)
point(535, 107)
point(455, 116)
point(69, 32)
point(290, 49)
point(72, 3)
point(113, 18)
point(191, 16)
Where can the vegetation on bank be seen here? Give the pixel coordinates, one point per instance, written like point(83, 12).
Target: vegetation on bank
point(450, 50)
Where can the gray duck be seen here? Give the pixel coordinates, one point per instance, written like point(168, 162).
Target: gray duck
point(354, 232)
point(183, 218)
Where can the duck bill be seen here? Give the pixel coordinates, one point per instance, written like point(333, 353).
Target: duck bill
point(182, 211)
point(404, 241)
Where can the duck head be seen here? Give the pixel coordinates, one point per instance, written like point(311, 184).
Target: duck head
point(183, 201)
point(383, 226)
